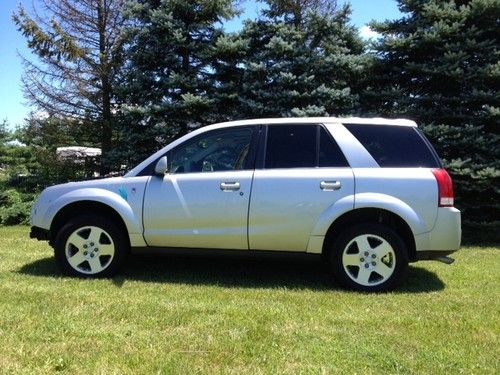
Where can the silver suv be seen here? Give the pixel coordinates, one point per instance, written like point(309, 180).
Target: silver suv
point(368, 195)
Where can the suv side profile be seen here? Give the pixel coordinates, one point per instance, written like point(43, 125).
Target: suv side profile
point(369, 195)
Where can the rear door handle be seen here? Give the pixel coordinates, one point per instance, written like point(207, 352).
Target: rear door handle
point(230, 186)
point(330, 185)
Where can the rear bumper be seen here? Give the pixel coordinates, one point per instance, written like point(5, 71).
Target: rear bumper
point(40, 234)
point(444, 238)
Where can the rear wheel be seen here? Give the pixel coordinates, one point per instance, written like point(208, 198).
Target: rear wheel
point(90, 246)
point(370, 258)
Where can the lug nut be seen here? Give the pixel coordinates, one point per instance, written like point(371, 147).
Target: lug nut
point(362, 259)
point(85, 253)
point(96, 250)
point(374, 263)
point(91, 255)
point(367, 265)
point(84, 246)
point(91, 244)
point(374, 256)
point(366, 253)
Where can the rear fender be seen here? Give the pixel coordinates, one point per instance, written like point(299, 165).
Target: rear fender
point(331, 214)
point(369, 200)
point(394, 205)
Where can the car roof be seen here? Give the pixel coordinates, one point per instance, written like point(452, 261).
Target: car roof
point(322, 120)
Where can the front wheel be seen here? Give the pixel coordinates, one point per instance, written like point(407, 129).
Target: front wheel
point(369, 258)
point(90, 246)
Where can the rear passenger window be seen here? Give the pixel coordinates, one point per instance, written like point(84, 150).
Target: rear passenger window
point(291, 146)
point(330, 154)
point(395, 146)
point(301, 146)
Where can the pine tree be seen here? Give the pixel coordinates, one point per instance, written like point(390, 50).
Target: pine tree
point(303, 59)
point(79, 48)
point(439, 65)
point(168, 81)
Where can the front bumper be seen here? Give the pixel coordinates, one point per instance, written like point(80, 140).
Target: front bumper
point(40, 234)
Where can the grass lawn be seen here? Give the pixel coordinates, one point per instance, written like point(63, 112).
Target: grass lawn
point(197, 315)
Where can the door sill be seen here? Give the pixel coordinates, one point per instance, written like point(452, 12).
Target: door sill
point(228, 253)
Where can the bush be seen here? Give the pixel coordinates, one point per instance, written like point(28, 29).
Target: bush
point(481, 233)
point(18, 213)
point(15, 207)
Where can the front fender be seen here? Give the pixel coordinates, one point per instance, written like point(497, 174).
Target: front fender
point(109, 198)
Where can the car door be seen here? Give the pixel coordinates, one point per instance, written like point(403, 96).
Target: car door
point(202, 202)
point(302, 173)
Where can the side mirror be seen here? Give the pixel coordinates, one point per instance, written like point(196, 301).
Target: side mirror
point(161, 166)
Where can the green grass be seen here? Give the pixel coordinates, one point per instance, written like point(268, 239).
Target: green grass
point(201, 315)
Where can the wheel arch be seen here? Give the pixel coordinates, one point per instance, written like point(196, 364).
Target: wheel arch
point(370, 215)
point(85, 207)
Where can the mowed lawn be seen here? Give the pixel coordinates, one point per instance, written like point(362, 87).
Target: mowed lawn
point(193, 315)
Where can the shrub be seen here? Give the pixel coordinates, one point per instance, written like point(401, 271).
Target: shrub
point(15, 207)
point(18, 213)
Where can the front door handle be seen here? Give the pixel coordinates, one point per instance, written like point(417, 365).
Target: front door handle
point(330, 185)
point(230, 186)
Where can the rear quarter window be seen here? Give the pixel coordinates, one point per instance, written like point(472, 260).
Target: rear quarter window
point(396, 146)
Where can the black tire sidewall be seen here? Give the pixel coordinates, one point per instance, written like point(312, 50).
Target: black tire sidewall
point(118, 237)
point(397, 243)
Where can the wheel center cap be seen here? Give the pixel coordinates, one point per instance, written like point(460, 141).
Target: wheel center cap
point(368, 260)
point(88, 250)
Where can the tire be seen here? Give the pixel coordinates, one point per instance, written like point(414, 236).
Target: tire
point(90, 246)
point(369, 258)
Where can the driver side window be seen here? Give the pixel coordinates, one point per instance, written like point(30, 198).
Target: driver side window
point(218, 150)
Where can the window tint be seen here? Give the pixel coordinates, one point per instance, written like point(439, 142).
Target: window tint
point(295, 146)
point(330, 154)
point(395, 146)
point(291, 146)
point(218, 150)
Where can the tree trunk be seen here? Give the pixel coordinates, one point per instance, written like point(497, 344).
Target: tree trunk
point(106, 117)
point(107, 128)
point(185, 68)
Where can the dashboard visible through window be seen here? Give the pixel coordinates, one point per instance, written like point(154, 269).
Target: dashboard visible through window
point(220, 150)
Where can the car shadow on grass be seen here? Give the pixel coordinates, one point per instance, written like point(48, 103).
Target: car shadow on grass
point(236, 272)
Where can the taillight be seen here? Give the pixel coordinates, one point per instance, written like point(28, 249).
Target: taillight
point(445, 187)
